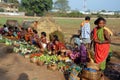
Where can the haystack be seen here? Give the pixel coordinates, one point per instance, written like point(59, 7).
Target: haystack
point(48, 25)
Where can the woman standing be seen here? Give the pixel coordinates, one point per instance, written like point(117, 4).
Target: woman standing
point(101, 38)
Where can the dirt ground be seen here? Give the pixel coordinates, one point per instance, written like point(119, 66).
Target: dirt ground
point(15, 67)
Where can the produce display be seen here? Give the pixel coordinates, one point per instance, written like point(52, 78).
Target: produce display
point(35, 55)
point(53, 61)
point(61, 65)
point(2, 40)
point(48, 58)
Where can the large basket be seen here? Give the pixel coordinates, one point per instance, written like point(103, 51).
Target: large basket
point(40, 63)
point(84, 79)
point(91, 75)
point(33, 60)
point(27, 56)
point(93, 65)
point(52, 67)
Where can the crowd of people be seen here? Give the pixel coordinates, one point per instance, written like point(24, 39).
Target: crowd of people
point(99, 38)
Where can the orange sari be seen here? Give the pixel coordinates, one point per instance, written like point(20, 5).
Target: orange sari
point(101, 50)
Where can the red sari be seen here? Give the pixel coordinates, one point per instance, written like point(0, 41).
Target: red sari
point(59, 46)
point(101, 50)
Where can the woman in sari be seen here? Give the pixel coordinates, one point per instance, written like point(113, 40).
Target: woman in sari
point(101, 38)
point(29, 33)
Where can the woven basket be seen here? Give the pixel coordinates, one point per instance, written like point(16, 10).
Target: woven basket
point(93, 65)
point(27, 56)
point(33, 60)
point(16, 45)
point(91, 75)
point(72, 77)
point(40, 63)
point(84, 79)
point(52, 67)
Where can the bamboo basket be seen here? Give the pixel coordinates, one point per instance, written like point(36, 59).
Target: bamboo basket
point(40, 63)
point(91, 75)
point(91, 64)
point(84, 79)
point(52, 67)
point(33, 60)
point(27, 56)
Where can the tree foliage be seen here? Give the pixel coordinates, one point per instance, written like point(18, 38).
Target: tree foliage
point(37, 6)
point(12, 1)
point(62, 5)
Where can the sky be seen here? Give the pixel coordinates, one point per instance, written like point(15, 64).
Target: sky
point(94, 5)
point(110, 5)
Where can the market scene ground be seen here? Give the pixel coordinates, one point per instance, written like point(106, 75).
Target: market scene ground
point(16, 64)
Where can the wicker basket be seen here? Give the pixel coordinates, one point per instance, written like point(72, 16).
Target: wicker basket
point(72, 77)
point(40, 63)
point(84, 79)
point(27, 56)
point(93, 65)
point(91, 75)
point(52, 67)
point(33, 60)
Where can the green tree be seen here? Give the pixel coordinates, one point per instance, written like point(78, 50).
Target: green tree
point(62, 5)
point(37, 7)
point(1, 10)
point(103, 10)
point(12, 1)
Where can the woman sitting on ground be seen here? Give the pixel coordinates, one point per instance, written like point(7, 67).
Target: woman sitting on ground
point(29, 33)
point(16, 32)
point(21, 34)
point(58, 46)
point(4, 30)
point(42, 42)
point(10, 32)
point(34, 37)
point(51, 43)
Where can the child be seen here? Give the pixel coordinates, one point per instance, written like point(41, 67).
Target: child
point(85, 31)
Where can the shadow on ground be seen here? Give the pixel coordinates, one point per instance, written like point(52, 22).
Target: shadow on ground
point(116, 44)
point(113, 71)
point(3, 74)
point(23, 76)
point(5, 50)
point(116, 54)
